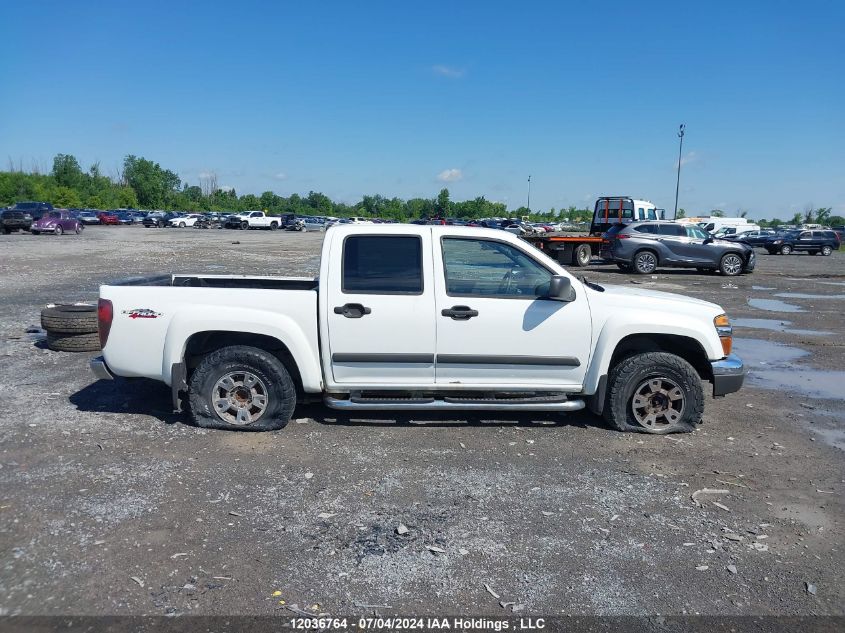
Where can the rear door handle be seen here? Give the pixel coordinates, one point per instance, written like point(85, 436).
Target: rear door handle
point(352, 310)
point(459, 313)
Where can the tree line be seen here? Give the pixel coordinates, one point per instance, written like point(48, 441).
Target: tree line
point(142, 183)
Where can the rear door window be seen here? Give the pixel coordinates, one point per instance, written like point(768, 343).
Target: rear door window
point(645, 228)
point(489, 268)
point(671, 229)
point(382, 264)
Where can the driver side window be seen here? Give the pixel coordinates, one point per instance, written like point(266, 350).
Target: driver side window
point(486, 268)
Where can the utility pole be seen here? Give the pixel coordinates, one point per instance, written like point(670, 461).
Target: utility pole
point(529, 194)
point(680, 152)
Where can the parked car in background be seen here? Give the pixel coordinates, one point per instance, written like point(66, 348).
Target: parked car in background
point(57, 222)
point(642, 247)
point(12, 220)
point(108, 217)
point(840, 231)
point(253, 220)
point(158, 219)
point(187, 220)
point(752, 238)
point(89, 217)
point(813, 242)
point(731, 231)
point(124, 217)
point(34, 209)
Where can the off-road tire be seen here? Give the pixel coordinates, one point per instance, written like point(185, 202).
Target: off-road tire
point(786, 249)
point(826, 250)
point(73, 342)
point(70, 319)
point(281, 392)
point(274, 226)
point(637, 264)
point(634, 370)
point(582, 255)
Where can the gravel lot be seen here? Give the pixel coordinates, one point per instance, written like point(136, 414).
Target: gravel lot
point(100, 482)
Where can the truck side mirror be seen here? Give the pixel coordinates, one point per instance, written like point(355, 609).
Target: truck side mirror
point(560, 289)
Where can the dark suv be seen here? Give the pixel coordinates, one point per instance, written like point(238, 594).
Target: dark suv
point(643, 246)
point(12, 220)
point(812, 242)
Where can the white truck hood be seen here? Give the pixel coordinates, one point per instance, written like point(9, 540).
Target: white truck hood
point(626, 297)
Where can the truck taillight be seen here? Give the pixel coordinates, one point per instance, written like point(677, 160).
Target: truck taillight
point(105, 314)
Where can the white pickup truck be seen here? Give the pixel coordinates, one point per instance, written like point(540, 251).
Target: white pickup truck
point(409, 318)
point(253, 220)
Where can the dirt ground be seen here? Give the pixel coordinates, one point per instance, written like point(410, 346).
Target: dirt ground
point(111, 504)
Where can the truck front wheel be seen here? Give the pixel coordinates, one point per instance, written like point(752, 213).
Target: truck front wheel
point(654, 392)
point(241, 388)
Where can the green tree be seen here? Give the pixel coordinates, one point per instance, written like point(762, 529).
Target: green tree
point(66, 171)
point(443, 203)
point(717, 213)
point(153, 185)
point(681, 214)
point(823, 215)
point(67, 198)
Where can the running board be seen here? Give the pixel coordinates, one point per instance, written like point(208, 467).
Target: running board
point(449, 404)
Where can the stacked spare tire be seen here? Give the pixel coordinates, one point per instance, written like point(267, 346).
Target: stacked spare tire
point(71, 328)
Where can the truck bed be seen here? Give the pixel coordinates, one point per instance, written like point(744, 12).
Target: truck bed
point(222, 281)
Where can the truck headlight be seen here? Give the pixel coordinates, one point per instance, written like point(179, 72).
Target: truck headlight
point(725, 331)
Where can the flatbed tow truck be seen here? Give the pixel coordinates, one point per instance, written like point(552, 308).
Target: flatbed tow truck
point(577, 249)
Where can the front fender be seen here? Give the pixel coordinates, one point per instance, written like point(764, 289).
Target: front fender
point(645, 322)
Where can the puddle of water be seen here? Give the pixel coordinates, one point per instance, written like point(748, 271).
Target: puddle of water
point(776, 326)
point(772, 366)
point(832, 437)
point(802, 295)
point(773, 305)
point(762, 288)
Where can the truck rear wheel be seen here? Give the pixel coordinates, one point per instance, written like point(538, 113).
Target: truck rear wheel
point(582, 255)
point(241, 388)
point(654, 392)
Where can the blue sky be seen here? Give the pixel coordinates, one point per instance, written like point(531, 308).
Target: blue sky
point(405, 98)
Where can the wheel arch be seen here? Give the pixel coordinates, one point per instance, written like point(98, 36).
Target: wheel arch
point(685, 347)
point(200, 344)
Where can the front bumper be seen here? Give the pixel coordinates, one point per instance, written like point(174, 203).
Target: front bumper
point(728, 375)
point(100, 369)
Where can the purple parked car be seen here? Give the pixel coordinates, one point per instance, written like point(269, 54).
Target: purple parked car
point(57, 222)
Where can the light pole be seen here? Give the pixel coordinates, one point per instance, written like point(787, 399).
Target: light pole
point(680, 151)
point(529, 194)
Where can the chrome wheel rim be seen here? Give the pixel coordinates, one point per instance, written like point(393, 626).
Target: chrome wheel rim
point(658, 403)
point(827, 250)
point(786, 250)
point(646, 262)
point(732, 264)
point(240, 398)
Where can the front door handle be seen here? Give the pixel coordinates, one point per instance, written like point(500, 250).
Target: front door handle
point(352, 310)
point(459, 313)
